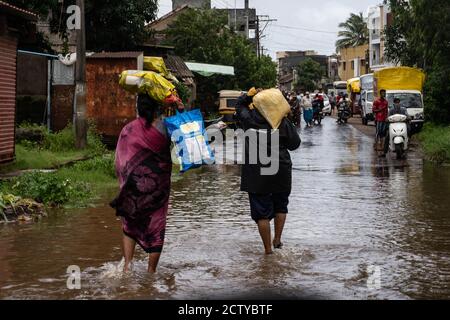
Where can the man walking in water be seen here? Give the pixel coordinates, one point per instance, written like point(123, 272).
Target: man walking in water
point(380, 108)
point(268, 194)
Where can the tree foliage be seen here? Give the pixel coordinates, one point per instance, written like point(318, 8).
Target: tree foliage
point(309, 73)
point(110, 25)
point(203, 36)
point(420, 37)
point(354, 32)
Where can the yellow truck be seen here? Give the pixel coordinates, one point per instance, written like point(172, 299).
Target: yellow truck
point(406, 84)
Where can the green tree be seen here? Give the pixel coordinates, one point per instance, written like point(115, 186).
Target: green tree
point(354, 32)
point(309, 73)
point(420, 37)
point(203, 36)
point(110, 25)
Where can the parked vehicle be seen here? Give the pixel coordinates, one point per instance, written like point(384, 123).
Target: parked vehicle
point(398, 134)
point(354, 92)
point(227, 106)
point(367, 98)
point(406, 84)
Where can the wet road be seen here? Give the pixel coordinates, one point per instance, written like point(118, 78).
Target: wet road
point(359, 228)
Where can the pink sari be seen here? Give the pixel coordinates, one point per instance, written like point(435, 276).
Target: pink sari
point(144, 168)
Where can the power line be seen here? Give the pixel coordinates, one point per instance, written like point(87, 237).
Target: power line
point(304, 29)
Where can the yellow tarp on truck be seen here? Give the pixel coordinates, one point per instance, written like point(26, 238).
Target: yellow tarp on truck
point(398, 78)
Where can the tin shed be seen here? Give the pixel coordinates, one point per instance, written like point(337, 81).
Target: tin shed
point(12, 21)
point(109, 105)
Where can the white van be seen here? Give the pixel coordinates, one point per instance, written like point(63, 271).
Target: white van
point(367, 98)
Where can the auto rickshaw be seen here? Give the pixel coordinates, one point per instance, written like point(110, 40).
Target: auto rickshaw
point(354, 92)
point(227, 106)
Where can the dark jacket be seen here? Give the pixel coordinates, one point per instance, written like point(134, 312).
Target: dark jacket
point(252, 180)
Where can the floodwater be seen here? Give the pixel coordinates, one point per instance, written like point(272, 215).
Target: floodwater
point(359, 227)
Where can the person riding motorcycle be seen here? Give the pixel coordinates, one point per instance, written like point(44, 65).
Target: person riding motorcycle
point(397, 108)
point(342, 108)
point(317, 105)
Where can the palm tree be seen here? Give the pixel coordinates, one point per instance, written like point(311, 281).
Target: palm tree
point(354, 33)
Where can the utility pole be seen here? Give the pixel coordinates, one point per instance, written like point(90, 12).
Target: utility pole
point(257, 34)
point(80, 122)
point(260, 32)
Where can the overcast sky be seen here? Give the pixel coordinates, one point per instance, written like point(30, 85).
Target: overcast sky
point(301, 25)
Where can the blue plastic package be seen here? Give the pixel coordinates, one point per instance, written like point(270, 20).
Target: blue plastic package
point(187, 132)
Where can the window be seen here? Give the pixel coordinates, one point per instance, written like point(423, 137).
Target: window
point(345, 65)
point(363, 62)
point(353, 65)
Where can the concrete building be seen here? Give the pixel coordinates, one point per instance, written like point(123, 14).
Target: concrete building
point(353, 62)
point(243, 20)
point(378, 18)
point(191, 3)
point(288, 62)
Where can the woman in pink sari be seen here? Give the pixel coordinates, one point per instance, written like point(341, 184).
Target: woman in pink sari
point(144, 166)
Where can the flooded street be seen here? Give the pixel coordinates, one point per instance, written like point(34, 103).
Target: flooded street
point(350, 213)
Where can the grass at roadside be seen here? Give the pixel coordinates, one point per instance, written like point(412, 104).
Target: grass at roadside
point(75, 186)
point(39, 149)
point(435, 141)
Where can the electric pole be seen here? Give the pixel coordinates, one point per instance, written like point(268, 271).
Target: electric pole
point(80, 121)
point(260, 32)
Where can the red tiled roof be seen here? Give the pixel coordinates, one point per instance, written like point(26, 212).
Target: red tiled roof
point(9, 8)
point(116, 55)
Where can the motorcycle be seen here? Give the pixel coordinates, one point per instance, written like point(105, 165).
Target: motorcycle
point(344, 112)
point(398, 134)
point(318, 116)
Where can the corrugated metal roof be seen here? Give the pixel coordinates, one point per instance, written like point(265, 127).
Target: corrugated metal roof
point(116, 55)
point(4, 6)
point(178, 67)
point(209, 69)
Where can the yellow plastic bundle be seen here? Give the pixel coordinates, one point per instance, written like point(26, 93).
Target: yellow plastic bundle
point(272, 105)
point(147, 82)
point(157, 64)
point(398, 78)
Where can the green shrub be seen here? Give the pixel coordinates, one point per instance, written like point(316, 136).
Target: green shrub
point(435, 141)
point(104, 164)
point(49, 188)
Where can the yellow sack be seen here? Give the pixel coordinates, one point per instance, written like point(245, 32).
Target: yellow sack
point(157, 64)
point(398, 78)
point(272, 105)
point(147, 82)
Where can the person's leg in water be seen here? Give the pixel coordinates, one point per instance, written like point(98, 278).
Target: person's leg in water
point(153, 260)
point(264, 232)
point(280, 220)
point(129, 246)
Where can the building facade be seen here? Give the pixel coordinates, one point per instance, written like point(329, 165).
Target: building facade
point(353, 62)
point(288, 61)
point(378, 18)
point(191, 3)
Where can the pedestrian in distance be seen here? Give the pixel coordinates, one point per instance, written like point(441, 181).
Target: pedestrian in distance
point(307, 107)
